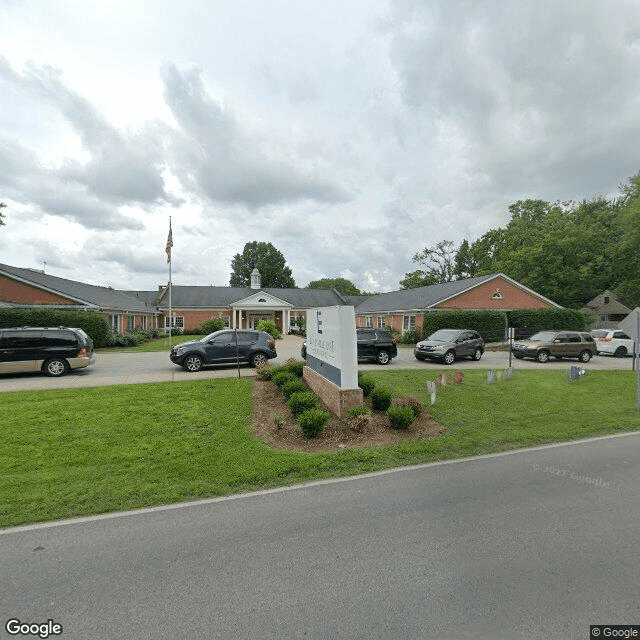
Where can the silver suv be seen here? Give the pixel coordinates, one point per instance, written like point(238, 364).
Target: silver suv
point(446, 345)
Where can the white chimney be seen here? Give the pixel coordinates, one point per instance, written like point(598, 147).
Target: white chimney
point(256, 280)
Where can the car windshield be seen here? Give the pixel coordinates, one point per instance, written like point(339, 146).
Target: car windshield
point(543, 336)
point(444, 335)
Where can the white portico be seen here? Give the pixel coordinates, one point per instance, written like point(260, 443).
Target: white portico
point(246, 313)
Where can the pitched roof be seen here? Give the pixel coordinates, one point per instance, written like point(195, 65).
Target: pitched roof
point(598, 306)
point(431, 296)
point(195, 297)
point(85, 295)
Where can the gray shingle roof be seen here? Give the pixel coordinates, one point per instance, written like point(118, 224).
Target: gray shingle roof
point(87, 295)
point(194, 297)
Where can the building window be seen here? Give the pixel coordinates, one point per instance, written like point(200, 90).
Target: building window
point(131, 323)
point(367, 322)
point(143, 323)
point(497, 295)
point(381, 322)
point(606, 299)
point(114, 323)
point(408, 322)
point(177, 322)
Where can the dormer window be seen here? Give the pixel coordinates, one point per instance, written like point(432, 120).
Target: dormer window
point(497, 295)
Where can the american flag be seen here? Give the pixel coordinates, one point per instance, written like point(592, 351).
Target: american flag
point(169, 242)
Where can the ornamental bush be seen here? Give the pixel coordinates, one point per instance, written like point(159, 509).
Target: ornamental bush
point(414, 403)
point(270, 327)
point(380, 399)
point(400, 417)
point(296, 367)
point(354, 412)
point(302, 401)
point(313, 421)
point(281, 378)
point(209, 326)
point(366, 384)
point(293, 386)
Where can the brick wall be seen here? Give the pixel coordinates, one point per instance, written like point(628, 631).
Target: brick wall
point(339, 401)
point(13, 291)
point(480, 297)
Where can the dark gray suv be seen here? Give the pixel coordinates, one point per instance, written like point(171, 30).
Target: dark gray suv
point(372, 344)
point(228, 346)
point(446, 345)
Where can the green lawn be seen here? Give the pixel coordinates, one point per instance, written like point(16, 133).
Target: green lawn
point(85, 451)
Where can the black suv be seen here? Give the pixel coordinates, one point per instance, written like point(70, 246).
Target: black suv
point(373, 344)
point(225, 347)
point(447, 345)
point(52, 350)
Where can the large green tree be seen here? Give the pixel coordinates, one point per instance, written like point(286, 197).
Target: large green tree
point(417, 278)
point(342, 285)
point(437, 262)
point(267, 259)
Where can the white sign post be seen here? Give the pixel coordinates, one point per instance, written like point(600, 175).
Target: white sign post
point(332, 357)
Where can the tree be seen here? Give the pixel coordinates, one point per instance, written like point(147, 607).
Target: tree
point(267, 259)
point(437, 261)
point(2, 205)
point(344, 286)
point(417, 279)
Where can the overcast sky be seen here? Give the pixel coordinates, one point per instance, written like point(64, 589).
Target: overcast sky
point(350, 134)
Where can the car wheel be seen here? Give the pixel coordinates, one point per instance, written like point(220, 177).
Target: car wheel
point(585, 356)
point(449, 357)
point(477, 354)
point(258, 359)
point(193, 363)
point(543, 356)
point(56, 367)
point(382, 357)
point(621, 352)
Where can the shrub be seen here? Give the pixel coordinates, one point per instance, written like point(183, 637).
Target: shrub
point(293, 386)
point(211, 325)
point(302, 401)
point(281, 378)
point(265, 371)
point(270, 327)
point(296, 367)
point(313, 421)
point(414, 403)
point(410, 337)
point(490, 324)
point(366, 384)
point(354, 412)
point(380, 399)
point(400, 417)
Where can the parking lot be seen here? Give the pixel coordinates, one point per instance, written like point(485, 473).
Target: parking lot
point(136, 368)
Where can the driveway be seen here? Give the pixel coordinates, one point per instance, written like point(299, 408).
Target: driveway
point(136, 368)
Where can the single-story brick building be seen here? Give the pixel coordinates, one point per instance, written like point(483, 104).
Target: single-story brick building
point(242, 307)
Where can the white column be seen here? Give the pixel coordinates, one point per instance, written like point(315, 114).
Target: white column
point(287, 321)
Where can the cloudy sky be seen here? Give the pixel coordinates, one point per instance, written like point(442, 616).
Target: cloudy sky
point(350, 134)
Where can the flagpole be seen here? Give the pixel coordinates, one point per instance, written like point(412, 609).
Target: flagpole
point(168, 250)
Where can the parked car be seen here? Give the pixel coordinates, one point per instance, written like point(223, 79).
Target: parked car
point(446, 345)
point(227, 346)
point(372, 344)
point(613, 342)
point(559, 344)
point(52, 350)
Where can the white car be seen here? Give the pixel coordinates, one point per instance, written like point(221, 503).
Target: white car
point(613, 342)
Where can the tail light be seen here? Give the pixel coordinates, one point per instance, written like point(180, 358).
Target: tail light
point(394, 340)
point(271, 343)
point(83, 353)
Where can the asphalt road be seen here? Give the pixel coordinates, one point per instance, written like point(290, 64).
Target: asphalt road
point(134, 368)
point(526, 545)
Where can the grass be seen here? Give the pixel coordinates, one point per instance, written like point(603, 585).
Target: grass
point(67, 453)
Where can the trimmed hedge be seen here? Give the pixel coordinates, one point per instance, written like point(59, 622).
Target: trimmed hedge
point(491, 325)
point(93, 324)
point(313, 421)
